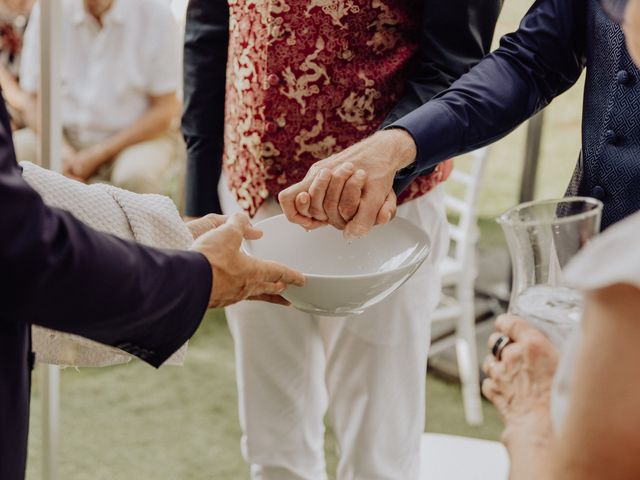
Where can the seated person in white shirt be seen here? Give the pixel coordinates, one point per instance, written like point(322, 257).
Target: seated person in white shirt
point(119, 68)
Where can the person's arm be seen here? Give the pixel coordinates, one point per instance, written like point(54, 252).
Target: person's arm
point(205, 59)
point(533, 65)
point(600, 437)
point(452, 41)
point(155, 121)
point(58, 273)
point(11, 90)
point(542, 59)
point(61, 274)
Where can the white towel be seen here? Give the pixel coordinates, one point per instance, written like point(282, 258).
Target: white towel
point(148, 219)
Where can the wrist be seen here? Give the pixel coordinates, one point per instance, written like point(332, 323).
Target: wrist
point(403, 147)
point(532, 429)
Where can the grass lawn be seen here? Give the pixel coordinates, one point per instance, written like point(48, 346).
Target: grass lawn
point(133, 422)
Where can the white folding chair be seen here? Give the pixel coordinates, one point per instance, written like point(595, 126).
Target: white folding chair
point(458, 272)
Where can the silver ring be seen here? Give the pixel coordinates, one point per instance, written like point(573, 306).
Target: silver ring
point(500, 345)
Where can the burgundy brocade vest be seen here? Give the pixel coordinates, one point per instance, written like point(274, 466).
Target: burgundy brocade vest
point(306, 79)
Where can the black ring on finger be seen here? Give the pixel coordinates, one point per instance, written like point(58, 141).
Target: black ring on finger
point(500, 345)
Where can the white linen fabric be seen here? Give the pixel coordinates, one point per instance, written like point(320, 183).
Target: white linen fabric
point(109, 72)
point(151, 220)
point(611, 258)
point(367, 371)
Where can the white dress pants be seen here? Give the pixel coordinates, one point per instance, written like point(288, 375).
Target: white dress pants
point(367, 372)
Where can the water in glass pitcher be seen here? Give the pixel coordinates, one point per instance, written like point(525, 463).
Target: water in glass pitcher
point(555, 310)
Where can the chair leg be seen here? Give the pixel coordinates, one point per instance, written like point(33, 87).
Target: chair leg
point(467, 356)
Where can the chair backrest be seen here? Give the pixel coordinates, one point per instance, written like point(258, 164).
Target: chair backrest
point(461, 203)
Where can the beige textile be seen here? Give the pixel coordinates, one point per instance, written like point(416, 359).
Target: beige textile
point(148, 219)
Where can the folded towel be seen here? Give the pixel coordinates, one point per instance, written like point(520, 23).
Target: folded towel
point(148, 219)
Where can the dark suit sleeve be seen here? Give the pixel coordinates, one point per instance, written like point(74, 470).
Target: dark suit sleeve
point(205, 60)
point(538, 62)
point(59, 273)
point(453, 38)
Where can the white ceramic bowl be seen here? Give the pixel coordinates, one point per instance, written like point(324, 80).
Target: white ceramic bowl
point(342, 278)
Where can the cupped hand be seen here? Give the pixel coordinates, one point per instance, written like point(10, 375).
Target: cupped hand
point(519, 384)
point(237, 276)
point(83, 164)
point(352, 190)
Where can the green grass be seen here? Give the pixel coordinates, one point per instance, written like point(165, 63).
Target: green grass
point(133, 422)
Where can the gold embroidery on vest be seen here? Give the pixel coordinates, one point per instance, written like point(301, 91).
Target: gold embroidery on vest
point(300, 88)
point(336, 9)
point(386, 36)
point(320, 149)
point(360, 110)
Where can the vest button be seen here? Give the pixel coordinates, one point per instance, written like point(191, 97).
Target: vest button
point(270, 127)
point(623, 77)
point(274, 80)
point(598, 192)
point(611, 137)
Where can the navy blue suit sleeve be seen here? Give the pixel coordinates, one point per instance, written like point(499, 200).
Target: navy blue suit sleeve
point(205, 59)
point(57, 272)
point(538, 62)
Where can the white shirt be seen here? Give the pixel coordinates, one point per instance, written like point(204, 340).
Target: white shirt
point(108, 73)
point(611, 258)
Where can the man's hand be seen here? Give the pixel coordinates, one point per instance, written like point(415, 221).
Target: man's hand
point(352, 190)
point(200, 226)
point(83, 164)
point(237, 276)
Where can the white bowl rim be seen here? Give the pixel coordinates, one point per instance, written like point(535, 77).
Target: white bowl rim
point(419, 257)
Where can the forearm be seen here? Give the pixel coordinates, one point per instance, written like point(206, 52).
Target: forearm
point(530, 447)
point(154, 122)
point(56, 272)
point(533, 65)
point(13, 94)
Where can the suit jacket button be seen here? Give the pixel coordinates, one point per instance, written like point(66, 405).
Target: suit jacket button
point(623, 77)
point(611, 137)
point(598, 192)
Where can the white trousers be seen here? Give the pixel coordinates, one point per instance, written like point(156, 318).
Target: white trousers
point(367, 372)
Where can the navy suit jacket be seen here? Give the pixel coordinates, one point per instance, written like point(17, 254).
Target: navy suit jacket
point(59, 273)
point(556, 40)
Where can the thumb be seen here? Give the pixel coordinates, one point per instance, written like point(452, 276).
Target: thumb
point(236, 228)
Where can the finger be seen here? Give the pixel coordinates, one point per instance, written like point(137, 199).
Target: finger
point(259, 289)
point(366, 217)
point(388, 210)
point(287, 199)
point(318, 191)
point(351, 195)
point(275, 299)
point(303, 202)
point(486, 364)
point(490, 390)
point(238, 225)
point(512, 326)
point(493, 338)
point(276, 272)
point(332, 198)
point(200, 226)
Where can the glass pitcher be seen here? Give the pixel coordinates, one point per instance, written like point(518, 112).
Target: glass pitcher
point(543, 236)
